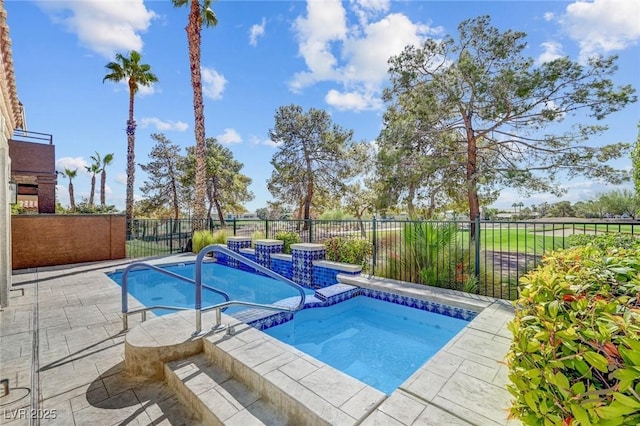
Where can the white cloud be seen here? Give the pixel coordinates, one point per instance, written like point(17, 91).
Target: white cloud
point(601, 26)
point(552, 51)
point(213, 83)
point(106, 27)
point(161, 125)
point(356, 59)
point(230, 136)
point(325, 23)
point(71, 163)
point(256, 30)
point(367, 9)
point(549, 16)
point(121, 178)
point(254, 140)
point(144, 90)
point(368, 56)
point(354, 101)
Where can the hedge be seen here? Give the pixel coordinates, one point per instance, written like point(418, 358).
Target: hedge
point(575, 354)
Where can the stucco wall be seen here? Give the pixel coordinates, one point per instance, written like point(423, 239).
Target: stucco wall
point(46, 240)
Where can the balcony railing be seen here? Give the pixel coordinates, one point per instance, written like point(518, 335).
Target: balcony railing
point(33, 137)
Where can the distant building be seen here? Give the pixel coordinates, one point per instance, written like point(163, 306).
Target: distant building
point(33, 168)
point(244, 216)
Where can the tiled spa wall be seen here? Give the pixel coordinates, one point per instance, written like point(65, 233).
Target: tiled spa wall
point(305, 265)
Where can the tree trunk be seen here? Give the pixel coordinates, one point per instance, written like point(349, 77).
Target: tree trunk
point(309, 196)
point(103, 184)
point(363, 234)
point(411, 210)
point(472, 180)
point(72, 199)
point(131, 139)
point(220, 214)
point(194, 28)
point(93, 190)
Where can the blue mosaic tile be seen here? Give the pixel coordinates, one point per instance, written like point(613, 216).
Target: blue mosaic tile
point(321, 300)
point(282, 267)
point(424, 305)
point(302, 262)
point(264, 252)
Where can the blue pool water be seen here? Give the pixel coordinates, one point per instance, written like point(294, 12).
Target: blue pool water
point(377, 342)
point(154, 288)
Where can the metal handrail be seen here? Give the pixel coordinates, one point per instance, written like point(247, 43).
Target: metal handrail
point(218, 248)
point(199, 286)
point(143, 265)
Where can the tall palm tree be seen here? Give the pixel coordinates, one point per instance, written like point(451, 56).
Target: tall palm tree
point(94, 169)
point(106, 160)
point(136, 74)
point(71, 174)
point(199, 14)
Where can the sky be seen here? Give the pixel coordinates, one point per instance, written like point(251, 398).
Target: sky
point(324, 54)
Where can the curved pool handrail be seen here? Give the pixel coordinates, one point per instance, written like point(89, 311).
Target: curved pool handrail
point(218, 248)
point(143, 265)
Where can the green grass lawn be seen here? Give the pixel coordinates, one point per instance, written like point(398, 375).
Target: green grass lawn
point(518, 240)
point(138, 248)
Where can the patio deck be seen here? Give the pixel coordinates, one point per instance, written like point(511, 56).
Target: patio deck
point(62, 348)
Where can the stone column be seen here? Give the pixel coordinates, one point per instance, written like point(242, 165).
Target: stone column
point(264, 250)
point(235, 244)
point(302, 257)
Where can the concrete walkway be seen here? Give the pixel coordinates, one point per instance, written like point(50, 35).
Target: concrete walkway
point(62, 350)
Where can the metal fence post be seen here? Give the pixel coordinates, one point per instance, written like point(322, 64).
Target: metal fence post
point(310, 230)
point(266, 228)
point(374, 237)
point(234, 226)
point(477, 249)
point(170, 233)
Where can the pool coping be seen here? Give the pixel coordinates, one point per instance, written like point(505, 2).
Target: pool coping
point(464, 383)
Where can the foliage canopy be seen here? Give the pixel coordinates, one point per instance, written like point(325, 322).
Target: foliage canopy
point(476, 111)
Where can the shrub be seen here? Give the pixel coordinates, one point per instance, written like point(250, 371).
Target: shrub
point(575, 354)
point(201, 239)
point(605, 241)
point(257, 235)
point(428, 253)
point(220, 236)
point(288, 237)
point(336, 214)
point(355, 251)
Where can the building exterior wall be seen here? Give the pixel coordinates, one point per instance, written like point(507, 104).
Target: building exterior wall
point(5, 216)
point(45, 240)
point(10, 118)
point(35, 162)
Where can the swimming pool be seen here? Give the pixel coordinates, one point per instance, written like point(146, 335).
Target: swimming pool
point(153, 288)
point(377, 342)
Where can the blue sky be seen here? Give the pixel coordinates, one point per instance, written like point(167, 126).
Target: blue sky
point(264, 54)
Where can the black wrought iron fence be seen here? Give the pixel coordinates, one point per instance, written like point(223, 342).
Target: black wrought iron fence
point(479, 257)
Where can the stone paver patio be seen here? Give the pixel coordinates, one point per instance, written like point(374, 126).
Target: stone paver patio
point(62, 350)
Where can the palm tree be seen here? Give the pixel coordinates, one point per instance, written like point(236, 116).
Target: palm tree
point(71, 174)
point(106, 160)
point(136, 74)
point(198, 15)
point(94, 169)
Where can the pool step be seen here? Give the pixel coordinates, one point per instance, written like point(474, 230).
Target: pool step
point(220, 399)
point(301, 388)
